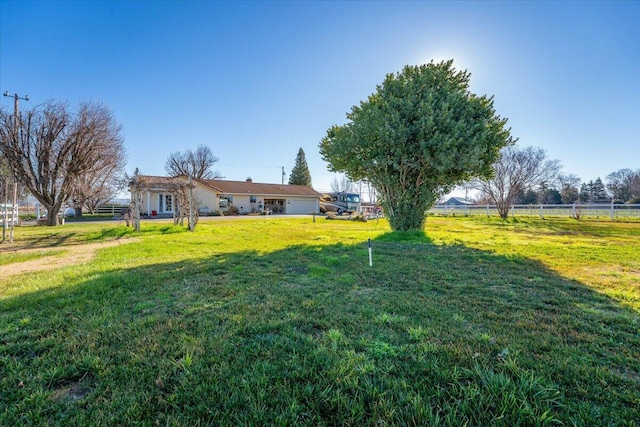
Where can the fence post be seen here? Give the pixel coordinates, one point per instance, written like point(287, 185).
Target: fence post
point(541, 213)
point(612, 211)
point(488, 211)
point(573, 209)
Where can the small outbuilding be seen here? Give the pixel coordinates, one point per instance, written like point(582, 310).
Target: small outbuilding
point(458, 201)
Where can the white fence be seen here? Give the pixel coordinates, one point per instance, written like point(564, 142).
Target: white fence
point(111, 208)
point(8, 215)
point(598, 211)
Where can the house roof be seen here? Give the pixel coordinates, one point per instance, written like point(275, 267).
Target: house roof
point(230, 187)
point(258, 188)
point(151, 182)
point(458, 201)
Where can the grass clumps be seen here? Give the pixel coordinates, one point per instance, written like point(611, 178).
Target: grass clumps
point(283, 322)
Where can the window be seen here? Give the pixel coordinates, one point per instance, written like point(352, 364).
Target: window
point(354, 198)
point(252, 199)
point(165, 203)
point(226, 201)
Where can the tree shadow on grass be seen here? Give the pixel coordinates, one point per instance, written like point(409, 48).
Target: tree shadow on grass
point(311, 335)
point(54, 240)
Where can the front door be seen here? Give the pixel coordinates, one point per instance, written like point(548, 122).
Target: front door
point(165, 203)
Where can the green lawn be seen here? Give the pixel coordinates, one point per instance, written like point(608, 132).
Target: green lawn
point(282, 322)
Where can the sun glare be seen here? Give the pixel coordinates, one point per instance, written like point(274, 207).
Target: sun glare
point(459, 61)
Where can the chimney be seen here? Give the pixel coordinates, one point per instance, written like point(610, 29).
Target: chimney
point(249, 179)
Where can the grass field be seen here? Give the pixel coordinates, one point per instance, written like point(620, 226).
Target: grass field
point(273, 321)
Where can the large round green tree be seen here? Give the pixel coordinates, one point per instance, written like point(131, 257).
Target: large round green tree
point(420, 134)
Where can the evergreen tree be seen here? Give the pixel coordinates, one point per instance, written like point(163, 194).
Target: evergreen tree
point(598, 191)
point(300, 174)
point(529, 197)
point(551, 196)
point(585, 191)
point(421, 133)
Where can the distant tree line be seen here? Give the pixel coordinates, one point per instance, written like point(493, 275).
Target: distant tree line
point(621, 186)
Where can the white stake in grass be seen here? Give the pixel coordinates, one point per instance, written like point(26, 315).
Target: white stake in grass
point(370, 257)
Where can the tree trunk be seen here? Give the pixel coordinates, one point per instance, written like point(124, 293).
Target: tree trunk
point(407, 211)
point(52, 214)
point(503, 210)
point(135, 208)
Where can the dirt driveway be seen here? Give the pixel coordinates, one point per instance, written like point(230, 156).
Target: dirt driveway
point(73, 254)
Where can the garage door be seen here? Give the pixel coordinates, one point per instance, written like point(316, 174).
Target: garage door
point(296, 206)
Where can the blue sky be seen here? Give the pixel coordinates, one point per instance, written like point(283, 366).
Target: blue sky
point(255, 81)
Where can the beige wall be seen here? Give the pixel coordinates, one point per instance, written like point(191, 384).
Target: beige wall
point(206, 199)
point(149, 202)
point(242, 203)
point(292, 204)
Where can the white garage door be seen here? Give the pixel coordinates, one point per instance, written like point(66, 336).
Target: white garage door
point(302, 206)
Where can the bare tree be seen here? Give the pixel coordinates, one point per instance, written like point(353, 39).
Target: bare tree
point(96, 188)
point(569, 187)
point(100, 184)
point(197, 164)
point(342, 184)
point(53, 146)
point(516, 171)
point(624, 184)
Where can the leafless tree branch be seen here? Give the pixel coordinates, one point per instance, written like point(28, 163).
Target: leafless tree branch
point(53, 147)
point(517, 170)
point(197, 164)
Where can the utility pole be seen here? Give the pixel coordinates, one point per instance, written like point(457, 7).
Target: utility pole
point(16, 109)
point(14, 215)
point(192, 224)
point(283, 175)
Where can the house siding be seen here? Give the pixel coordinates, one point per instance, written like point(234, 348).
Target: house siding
point(290, 199)
point(206, 200)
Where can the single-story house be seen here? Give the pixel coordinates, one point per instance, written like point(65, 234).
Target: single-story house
point(158, 196)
